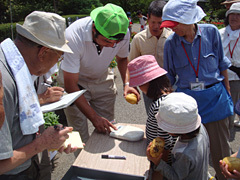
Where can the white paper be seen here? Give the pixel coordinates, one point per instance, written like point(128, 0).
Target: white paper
point(129, 133)
point(64, 102)
point(52, 154)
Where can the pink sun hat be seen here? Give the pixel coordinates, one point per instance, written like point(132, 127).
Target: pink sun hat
point(144, 69)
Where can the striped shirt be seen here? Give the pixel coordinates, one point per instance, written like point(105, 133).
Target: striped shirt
point(153, 131)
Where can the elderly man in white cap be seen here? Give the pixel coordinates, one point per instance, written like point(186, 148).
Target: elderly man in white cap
point(194, 53)
point(38, 46)
point(230, 37)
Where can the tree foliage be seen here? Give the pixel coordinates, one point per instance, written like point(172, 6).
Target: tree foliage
point(130, 5)
point(21, 8)
point(77, 6)
point(4, 11)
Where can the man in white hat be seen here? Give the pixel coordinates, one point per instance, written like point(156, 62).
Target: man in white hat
point(230, 37)
point(194, 59)
point(39, 44)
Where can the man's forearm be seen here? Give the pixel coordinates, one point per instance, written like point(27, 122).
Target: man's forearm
point(226, 82)
point(21, 155)
point(122, 67)
point(85, 108)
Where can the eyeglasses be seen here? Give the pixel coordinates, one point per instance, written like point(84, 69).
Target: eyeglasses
point(61, 57)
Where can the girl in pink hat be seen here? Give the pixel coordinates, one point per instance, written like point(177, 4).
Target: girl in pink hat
point(151, 79)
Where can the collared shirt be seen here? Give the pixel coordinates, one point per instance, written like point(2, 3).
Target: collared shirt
point(144, 43)
point(85, 60)
point(235, 59)
point(212, 59)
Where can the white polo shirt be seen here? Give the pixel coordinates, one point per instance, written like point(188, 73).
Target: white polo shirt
point(85, 59)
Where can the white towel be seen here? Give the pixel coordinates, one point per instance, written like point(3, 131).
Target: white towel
point(232, 36)
point(31, 116)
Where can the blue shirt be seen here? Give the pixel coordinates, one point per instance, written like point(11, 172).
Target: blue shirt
point(212, 59)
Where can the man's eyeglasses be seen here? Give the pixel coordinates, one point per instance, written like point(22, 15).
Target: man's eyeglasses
point(61, 57)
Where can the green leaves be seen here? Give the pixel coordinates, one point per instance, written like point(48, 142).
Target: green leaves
point(51, 119)
point(113, 63)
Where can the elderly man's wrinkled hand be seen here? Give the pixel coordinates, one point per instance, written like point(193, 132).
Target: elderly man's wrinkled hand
point(67, 150)
point(52, 94)
point(53, 138)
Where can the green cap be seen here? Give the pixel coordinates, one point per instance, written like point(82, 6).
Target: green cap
point(110, 20)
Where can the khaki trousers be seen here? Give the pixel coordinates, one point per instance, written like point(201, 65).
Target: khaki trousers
point(101, 95)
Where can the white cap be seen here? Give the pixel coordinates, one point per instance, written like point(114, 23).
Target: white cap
point(178, 114)
point(183, 11)
point(235, 8)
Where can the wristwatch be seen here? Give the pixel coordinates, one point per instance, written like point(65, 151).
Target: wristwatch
point(126, 84)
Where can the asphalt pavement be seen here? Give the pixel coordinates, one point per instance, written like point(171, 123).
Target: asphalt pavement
point(124, 113)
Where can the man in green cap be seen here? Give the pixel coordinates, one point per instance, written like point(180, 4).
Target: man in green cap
point(95, 41)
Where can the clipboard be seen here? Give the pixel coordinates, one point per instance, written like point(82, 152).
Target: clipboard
point(64, 102)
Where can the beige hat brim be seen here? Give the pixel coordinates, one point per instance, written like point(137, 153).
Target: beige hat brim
point(27, 34)
point(229, 2)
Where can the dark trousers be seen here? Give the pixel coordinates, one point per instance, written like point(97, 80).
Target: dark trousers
point(32, 173)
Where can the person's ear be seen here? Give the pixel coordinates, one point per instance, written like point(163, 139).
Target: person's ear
point(93, 28)
point(41, 53)
point(148, 17)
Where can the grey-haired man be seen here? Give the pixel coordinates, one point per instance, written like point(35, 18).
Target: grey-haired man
point(39, 44)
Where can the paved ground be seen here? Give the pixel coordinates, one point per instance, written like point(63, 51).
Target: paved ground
point(125, 113)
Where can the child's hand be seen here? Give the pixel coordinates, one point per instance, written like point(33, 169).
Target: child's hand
point(226, 173)
point(155, 160)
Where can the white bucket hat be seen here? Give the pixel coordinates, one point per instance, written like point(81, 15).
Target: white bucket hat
point(178, 114)
point(235, 8)
point(46, 29)
point(183, 11)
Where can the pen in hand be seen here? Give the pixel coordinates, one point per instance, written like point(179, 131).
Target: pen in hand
point(58, 127)
point(48, 85)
